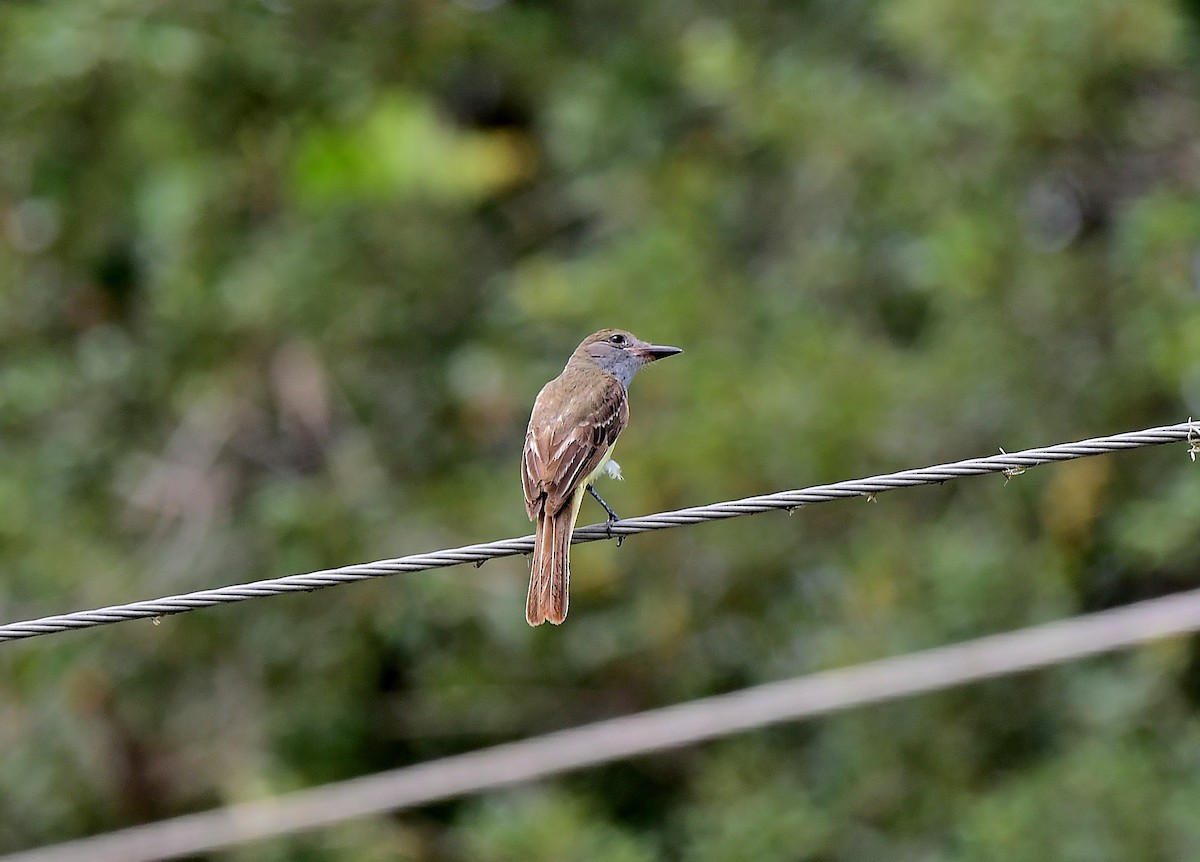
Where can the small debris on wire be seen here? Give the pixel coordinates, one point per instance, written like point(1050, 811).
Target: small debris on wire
point(872, 497)
point(1193, 440)
point(1010, 473)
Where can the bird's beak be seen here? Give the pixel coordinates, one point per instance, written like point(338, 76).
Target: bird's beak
point(651, 352)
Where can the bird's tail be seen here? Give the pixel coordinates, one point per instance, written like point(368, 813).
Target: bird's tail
point(550, 573)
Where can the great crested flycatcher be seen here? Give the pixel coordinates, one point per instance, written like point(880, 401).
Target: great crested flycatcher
point(575, 422)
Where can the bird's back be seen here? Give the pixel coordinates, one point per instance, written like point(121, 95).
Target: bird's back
point(575, 419)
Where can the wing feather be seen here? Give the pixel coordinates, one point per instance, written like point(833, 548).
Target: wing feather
point(572, 427)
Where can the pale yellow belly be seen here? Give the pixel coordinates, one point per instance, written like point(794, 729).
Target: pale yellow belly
point(603, 463)
point(581, 491)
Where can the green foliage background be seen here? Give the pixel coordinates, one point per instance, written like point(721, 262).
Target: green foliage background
point(279, 282)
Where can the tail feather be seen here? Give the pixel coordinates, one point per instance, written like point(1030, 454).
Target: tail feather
point(550, 572)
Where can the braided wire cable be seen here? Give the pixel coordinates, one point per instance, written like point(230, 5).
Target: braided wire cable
point(1005, 462)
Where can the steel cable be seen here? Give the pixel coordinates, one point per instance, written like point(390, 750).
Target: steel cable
point(1009, 463)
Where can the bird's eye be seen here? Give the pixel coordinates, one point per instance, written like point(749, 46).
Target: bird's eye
point(617, 339)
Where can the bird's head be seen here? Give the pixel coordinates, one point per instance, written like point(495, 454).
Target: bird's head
point(622, 353)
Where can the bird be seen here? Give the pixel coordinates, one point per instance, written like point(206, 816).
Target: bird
point(575, 422)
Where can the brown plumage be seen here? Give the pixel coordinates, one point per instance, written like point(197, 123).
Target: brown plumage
point(576, 419)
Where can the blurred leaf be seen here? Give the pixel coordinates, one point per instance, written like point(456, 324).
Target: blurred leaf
point(403, 151)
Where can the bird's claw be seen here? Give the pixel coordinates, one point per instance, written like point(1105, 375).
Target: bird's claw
point(608, 531)
point(613, 517)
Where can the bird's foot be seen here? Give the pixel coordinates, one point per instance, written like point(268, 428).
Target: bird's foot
point(608, 525)
point(613, 517)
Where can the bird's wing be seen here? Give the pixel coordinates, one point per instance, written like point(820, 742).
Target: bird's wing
point(564, 447)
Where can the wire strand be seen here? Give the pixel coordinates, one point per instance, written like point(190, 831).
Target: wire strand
point(637, 734)
point(1009, 463)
